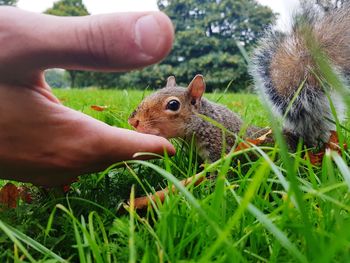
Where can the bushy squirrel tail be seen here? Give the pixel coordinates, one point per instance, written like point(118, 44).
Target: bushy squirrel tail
point(283, 62)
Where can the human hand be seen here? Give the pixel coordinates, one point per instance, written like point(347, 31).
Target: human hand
point(43, 142)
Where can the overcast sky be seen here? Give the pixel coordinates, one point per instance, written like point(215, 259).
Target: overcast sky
point(283, 7)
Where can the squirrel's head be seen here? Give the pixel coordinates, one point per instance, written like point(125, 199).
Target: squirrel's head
point(167, 111)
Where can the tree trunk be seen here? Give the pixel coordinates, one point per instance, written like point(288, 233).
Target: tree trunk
point(73, 76)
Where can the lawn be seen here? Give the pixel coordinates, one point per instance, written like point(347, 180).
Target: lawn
point(277, 207)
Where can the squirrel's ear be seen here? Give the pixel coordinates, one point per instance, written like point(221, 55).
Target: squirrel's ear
point(196, 89)
point(171, 82)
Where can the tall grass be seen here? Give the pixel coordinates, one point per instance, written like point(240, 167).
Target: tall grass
point(276, 208)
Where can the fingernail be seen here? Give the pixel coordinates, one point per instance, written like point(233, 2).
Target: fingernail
point(148, 36)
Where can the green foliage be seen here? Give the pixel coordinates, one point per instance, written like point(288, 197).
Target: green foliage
point(57, 78)
point(68, 8)
point(8, 2)
point(98, 79)
point(206, 37)
point(207, 33)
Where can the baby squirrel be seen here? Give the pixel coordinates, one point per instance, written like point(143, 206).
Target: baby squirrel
point(174, 112)
point(283, 62)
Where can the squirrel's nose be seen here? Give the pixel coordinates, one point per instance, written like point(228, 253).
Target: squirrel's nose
point(134, 122)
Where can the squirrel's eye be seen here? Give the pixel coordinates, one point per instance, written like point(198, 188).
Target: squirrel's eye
point(173, 105)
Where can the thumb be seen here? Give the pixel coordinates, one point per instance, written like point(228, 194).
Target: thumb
point(112, 42)
point(105, 145)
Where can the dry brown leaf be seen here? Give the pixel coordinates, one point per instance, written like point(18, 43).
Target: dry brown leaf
point(333, 144)
point(237, 104)
point(142, 202)
point(98, 107)
point(316, 158)
point(66, 188)
point(248, 141)
point(10, 194)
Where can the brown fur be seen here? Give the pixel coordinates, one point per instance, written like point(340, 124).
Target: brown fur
point(152, 117)
point(293, 57)
point(284, 60)
point(333, 34)
point(295, 61)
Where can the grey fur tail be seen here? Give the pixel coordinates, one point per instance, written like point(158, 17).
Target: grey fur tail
point(282, 63)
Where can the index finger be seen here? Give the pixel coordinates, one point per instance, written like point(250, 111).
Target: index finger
point(112, 42)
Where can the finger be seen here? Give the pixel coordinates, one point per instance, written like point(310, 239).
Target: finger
point(113, 145)
point(113, 42)
point(122, 144)
point(103, 145)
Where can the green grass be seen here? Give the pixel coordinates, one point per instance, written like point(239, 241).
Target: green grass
point(277, 208)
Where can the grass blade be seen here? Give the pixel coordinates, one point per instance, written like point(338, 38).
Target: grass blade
point(132, 249)
point(271, 227)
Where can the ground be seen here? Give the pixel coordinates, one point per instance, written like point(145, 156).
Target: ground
point(276, 207)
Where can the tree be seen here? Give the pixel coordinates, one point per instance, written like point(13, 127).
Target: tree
point(57, 78)
point(98, 79)
point(69, 8)
point(8, 2)
point(207, 37)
